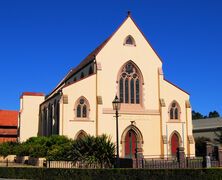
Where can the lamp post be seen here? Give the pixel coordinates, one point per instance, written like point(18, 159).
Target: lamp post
point(116, 107)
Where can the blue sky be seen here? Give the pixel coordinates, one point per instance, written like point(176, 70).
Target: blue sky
point(41, 40)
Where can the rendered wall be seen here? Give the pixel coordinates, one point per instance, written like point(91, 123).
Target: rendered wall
point(146, 115)
point(69, 124)
point(29, 116)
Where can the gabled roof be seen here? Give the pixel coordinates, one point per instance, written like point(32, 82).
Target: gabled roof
point(95, 52)
point(87, 60)
point(8, 118)
point(208, 123)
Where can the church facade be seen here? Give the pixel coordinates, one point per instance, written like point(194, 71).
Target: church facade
point(155, 115)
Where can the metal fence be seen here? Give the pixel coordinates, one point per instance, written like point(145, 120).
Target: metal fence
point(192, 163)
point(72, 164)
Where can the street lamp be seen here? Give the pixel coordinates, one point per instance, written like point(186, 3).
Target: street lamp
point(116, 107)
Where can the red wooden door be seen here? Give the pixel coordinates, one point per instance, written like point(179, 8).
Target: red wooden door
point(130, 144)
point(174, 144)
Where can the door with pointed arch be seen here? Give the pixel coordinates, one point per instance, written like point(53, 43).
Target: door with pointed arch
point(174, 144)
point(130, 144)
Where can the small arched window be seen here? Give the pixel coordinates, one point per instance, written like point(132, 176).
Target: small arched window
point(90, 70)
point(174, 110)
point(82, 108)
point(82, 75)
point(129, 84)
point(129, 41)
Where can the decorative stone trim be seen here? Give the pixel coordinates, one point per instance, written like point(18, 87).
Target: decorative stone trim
point(190, 139)
point(65, 99)
point(99, 66)
point(162, 103)
point(188, 104)
point(81, 120)
point(134, 112)
point(99, 100)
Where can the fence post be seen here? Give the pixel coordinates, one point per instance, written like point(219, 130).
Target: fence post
point(181, 157)
point(220, 156)
point(139, 158)
point(207, 155)
point(7, 162)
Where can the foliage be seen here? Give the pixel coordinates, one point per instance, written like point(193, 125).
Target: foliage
point(200, 145)
point(8, 148)
point(93, 150)
point(53, 147)
point(197, 115)
point(108, 174)
point(218, 135)
point(213, 114)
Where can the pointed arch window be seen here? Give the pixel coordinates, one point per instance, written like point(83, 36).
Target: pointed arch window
point(129, 40)
point(174, 111)
point(129, 84)
point(82, 108)
point(82, 75)
point(90, 70)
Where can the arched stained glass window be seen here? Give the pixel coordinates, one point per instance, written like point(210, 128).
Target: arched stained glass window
point(132, 88)
point(84, 111)
point(126, 90)
point(174, 110)
point(82, 108)
point(78, 111)
point(129, 84)
point(121, 89)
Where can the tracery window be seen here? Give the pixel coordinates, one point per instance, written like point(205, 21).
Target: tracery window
point(174, 110)
point(82, 108)
point(129, 84)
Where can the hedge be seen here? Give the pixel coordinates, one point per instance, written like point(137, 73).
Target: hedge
point(108, 174)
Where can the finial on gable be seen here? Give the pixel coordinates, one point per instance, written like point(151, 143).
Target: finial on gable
point(128, 13)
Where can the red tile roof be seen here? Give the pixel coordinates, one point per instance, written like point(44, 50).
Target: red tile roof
point(32, 94)
point(8, 118)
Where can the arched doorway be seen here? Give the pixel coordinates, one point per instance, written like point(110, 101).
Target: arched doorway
point(80, 135)
point(131, 139)
point(175, 143)
point(130, 144)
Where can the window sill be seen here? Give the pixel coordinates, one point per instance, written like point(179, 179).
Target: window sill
point(175, 121)
point(81, 120)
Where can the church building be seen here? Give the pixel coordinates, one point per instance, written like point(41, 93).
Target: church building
point(155, 114)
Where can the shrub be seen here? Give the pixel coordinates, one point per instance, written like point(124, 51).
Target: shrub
point(93, 150)
point(8, 148)
point(53, 147)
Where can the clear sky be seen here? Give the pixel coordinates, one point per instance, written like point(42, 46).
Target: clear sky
point(41, 40)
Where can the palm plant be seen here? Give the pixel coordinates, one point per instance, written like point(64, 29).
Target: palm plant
point(93, 150)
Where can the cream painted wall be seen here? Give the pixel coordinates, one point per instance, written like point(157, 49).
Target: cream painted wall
point(169, 93)
point(29, 116)
point(115, 55)
point(71, 126)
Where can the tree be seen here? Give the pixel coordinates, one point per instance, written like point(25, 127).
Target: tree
point(213, 114)
point(197, 115)
point(200, 145)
